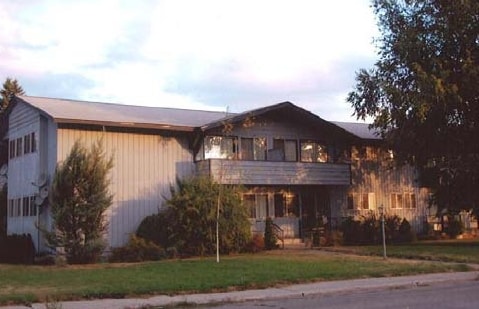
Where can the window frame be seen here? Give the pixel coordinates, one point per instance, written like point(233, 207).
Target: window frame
point(227, 155)
point(318, 149)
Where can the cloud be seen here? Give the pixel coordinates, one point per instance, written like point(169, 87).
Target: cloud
point(183, 53)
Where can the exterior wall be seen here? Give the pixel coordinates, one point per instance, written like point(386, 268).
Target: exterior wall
point(23, 170)
point(374, 174)
point(145, 166)
point(269, 128)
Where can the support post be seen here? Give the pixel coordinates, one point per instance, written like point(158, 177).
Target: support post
point(383, 230)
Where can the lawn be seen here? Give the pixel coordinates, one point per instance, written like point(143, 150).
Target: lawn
point(461, 251)
point(25, 284)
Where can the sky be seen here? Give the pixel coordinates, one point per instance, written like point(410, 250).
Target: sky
point(220, 55)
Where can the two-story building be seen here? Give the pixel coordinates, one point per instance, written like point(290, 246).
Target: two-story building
point(297, 168)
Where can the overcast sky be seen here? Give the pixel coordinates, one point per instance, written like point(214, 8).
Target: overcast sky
point(208, 54)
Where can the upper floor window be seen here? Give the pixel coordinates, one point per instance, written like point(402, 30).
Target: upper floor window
point(220, 147)
point(283, 150)
point(19, 146)
point(12, 149)
point(29, 142)
point(313, 152)
point(253, 148)
point(22, 145)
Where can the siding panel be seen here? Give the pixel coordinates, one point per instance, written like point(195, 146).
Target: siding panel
point(23, 170)
point(144, 168)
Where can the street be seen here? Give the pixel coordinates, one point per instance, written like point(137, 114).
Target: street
point(445, 295)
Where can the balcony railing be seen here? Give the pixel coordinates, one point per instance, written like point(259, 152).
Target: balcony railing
point(275, 173)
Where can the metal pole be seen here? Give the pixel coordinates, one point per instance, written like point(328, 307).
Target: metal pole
point(381, 211)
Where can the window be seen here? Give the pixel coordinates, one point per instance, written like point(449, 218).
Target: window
point(258, 205)
point(290, 150)
point(253, 148)
point(362, 201)
point(279, 205)
point(409, 200)
point(27, 143)
point(11, 208)
point(262, 209)
point(19, 147)
point(220, 147)
point(313, 152)
point(396, 201)
point(17, 211)
point(12, 149)
point(350, 201)
point(26, 206)
point(286, 205)
point(249, 202)
point(33, 141)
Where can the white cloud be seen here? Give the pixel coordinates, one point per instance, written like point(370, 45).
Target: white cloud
point(172, 52)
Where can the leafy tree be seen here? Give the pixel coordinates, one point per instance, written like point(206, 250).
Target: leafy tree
point(10, 88)
point(192, 213)
point(423, 93)
point(79, 197)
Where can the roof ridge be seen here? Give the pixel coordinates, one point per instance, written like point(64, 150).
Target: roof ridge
point(123, 104)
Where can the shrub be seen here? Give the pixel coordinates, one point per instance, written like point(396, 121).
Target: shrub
point(255, 244)
point(351, 230)
point(156, 228)
point(270, 240)
point(370, 230)
point(454, 227)
point(137, 250)
point(17, 249)
point(192, 217)
point(405, 232)
point(391, 227)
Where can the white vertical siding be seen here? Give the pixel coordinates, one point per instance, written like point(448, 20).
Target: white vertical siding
point(145, 166)
point(379, 177)
point(23, 169)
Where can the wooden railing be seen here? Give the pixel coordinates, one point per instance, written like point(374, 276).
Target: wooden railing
point(279, 233)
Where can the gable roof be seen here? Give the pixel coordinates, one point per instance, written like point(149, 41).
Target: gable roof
point(83, 112)
point(286, 111)
point(361, 130)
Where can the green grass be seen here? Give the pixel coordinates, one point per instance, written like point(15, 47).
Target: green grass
point(460, 251)
point(25, 284)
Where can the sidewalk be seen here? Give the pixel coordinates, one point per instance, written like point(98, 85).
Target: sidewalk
point(298, 290)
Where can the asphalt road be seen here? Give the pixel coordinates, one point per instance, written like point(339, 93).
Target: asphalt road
point(457, 295)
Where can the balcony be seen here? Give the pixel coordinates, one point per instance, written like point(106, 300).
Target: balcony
point(274, 173)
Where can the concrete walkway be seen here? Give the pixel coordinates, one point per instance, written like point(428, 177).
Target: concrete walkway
point(298, 290)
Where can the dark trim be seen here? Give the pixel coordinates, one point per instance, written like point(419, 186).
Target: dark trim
point(118, 129)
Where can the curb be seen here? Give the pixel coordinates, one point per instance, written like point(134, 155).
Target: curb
point(291, 291)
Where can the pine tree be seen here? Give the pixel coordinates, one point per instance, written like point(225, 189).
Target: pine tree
point(79, 197)
point(10, 88)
